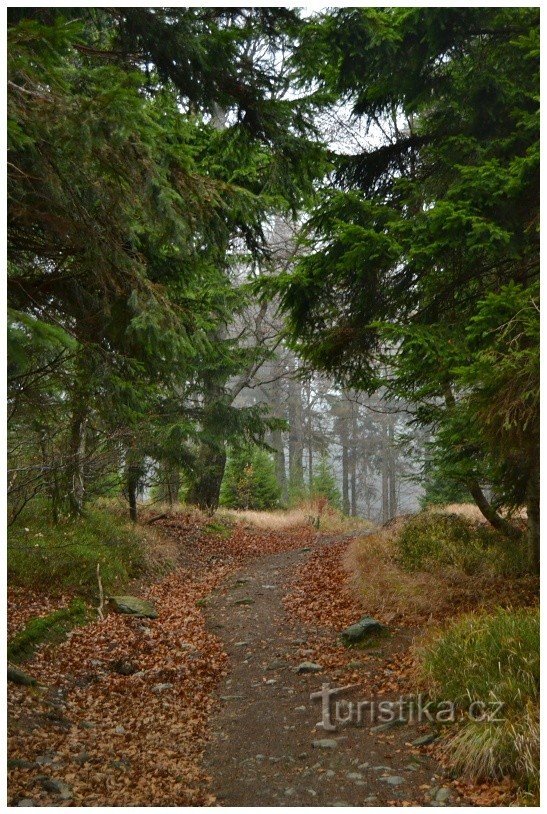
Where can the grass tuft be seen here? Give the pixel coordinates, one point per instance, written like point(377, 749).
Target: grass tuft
point(492, 658)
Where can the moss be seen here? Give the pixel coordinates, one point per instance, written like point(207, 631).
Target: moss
point(218, 528)
point(50, 628)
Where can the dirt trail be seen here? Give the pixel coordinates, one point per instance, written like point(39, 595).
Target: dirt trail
point(262, 751)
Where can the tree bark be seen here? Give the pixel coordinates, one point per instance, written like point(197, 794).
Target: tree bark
point(296, 447)
point(345, 476)
point(392, 465)
point(533, 511)
point(205, 489)
point(489, 513)
point(77, 455)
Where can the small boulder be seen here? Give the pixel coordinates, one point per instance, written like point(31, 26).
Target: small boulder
point(124, 668)
point(20, 763)
point(161, 687)
point(424, 740)
point(354, 634)
point(134, 606)
point(385, 727)
point(443, 795)
point(325, 743)
point(57, 787)
point(308, 667)
point(20, 677)
point(393, 780)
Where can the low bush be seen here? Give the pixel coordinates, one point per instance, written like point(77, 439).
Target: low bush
point(490, 658)
point(57, 556)
point(431, 539)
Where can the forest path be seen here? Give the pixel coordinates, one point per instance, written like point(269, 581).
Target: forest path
point(262, 748)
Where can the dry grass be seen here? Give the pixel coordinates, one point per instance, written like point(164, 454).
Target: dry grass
point(471, 511)
point(273, 521)
point(418, 597)
point(331, 520)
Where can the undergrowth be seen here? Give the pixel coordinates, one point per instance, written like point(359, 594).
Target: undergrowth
point(431, 540)
point(492, 658)
point(64, 555)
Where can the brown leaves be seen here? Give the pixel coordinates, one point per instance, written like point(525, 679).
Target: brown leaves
point(144, 732)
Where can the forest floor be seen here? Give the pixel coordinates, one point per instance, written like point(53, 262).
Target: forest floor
point(206, 705)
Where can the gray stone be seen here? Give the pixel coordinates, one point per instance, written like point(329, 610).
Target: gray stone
point(325, 743)
point(277, 665)
point(26, 802)
point(361, 630)
point(20, 677)
point(124, 668)
point(134, 606)
point(371, 798)
point(120, 730)
point(443, 795)
point(20, 763)
point(45, 760)
point(412, 767)
point(241, 644)
point(57, 787)
point(308, 667)
point(393, 780)
point(354, 776)
point(363, 766)
point(423, 740)
point(388, 725)
point(161, 687)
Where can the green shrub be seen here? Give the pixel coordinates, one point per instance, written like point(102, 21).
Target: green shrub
point(324, 484)
point(431, 540)
point(42, 554)
point(491, 657)
point(52, 627)
point(250, 481)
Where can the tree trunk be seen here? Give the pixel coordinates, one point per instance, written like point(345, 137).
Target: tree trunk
point(489, 513)
point(77, 443)
point(533, 511)
point(392, 464)
point(204, 491)
point(276, 440)
point(345, 477)
point(296, 469)
point(77, 455)
point(132, 480)
point(385, 491)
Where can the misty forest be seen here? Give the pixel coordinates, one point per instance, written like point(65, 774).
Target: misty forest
point(273, 405)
